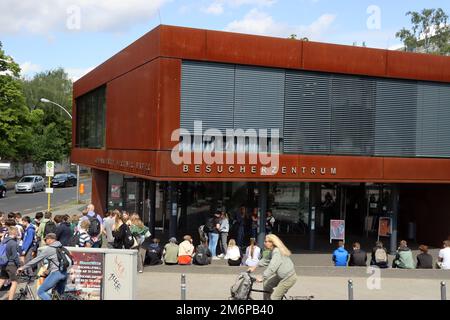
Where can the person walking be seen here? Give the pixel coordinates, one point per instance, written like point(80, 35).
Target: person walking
point(270, 222)
point(140, 232)
point(63, 232)
point(279, 276)
point(29, 240)
point(10, 260)
point(108, 225)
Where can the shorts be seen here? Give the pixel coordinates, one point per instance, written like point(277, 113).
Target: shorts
point(9, 272)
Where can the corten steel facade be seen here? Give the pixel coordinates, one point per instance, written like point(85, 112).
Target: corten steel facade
point(143, 107)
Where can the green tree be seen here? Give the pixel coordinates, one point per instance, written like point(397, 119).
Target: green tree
point(430, 32)
point(54, 131)
point(13, 110)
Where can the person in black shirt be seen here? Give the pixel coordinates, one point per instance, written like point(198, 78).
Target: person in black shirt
point(424, 259)
point(358, 258)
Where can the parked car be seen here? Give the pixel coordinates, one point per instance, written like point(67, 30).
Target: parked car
point(64, 180)
point(30, 184)
point(2, 189)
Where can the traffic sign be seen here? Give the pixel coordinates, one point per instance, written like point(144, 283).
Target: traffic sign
point(50, 168)
point(48, 190)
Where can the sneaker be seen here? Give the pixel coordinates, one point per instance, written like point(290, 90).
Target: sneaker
point(221, 256)
point(215, 258)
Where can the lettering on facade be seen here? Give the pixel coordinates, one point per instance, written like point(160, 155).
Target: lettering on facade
point(242, 169)
point(129, 166)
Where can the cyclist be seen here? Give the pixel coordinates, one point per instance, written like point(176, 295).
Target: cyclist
point(279, 276)
point(55, 278)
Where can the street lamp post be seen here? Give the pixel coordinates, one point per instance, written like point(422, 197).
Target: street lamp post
point(78, 167)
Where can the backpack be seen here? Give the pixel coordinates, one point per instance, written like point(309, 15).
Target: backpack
point(380, 255)
point(94, 226)
point(3, 257)
point(201, 257)
point(50, 227)
point(74, 240)
point(129, 241)
point(65, 260)
point(240, 290)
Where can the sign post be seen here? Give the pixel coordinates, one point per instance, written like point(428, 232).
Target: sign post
point(49, 172)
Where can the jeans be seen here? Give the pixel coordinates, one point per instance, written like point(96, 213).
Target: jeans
point(55, 279)
point(213, 238)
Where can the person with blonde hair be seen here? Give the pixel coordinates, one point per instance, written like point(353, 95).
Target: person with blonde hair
point(185, 250)
point(140, 232)
point(280, 275)
point(252, 254)
point(233, 254)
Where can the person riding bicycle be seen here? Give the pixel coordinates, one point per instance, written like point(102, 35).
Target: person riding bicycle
point(56, 278)
point(280, 275)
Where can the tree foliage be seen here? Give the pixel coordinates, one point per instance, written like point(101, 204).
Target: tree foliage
point(31, 131)
point(430, 32)
point(13, 111)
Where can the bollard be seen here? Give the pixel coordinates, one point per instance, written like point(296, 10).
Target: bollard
point(183, 287)
point(350, 289)
point(443, 291)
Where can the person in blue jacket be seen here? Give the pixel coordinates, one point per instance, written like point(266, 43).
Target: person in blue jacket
point(29, 243)
point(340, 255)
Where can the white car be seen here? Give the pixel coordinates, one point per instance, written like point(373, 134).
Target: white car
point(30, 184)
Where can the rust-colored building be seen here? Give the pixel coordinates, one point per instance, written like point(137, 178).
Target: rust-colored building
point(363, 134)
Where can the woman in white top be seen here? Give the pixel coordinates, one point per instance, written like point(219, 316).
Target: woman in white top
point(252, 254)
point(233, 254)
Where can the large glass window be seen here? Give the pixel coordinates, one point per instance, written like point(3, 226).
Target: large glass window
point(91, 115)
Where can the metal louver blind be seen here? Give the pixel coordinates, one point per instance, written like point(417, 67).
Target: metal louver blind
point(207, 94)
point(353, 115)
point(307, 113)
point(395, 124)
point(427, 120)
point(259, 98)
point(444, 121)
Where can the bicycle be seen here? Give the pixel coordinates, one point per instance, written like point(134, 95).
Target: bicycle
point(250, 290)
point(27, 293)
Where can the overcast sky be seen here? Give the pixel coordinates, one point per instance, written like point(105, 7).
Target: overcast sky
point(80, 34)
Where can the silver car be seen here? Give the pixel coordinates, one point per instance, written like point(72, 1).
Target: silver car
point(30, 184)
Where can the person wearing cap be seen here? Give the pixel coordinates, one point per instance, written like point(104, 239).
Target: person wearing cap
point(170, 253)
point(56, 278)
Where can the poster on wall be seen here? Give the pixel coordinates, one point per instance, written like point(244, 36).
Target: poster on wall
point(384, 227)
point(115, 191)
point(86, 274)
point(337, 230)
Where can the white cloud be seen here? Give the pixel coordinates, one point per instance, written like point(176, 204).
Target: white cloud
point(43, 16)
point(217, 7)
point(261, 23)
point(76, 73)
point(27, 68)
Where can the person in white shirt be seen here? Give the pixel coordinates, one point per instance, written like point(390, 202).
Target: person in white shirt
point(444, 256)
point(252, 254)
point(233, 254)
